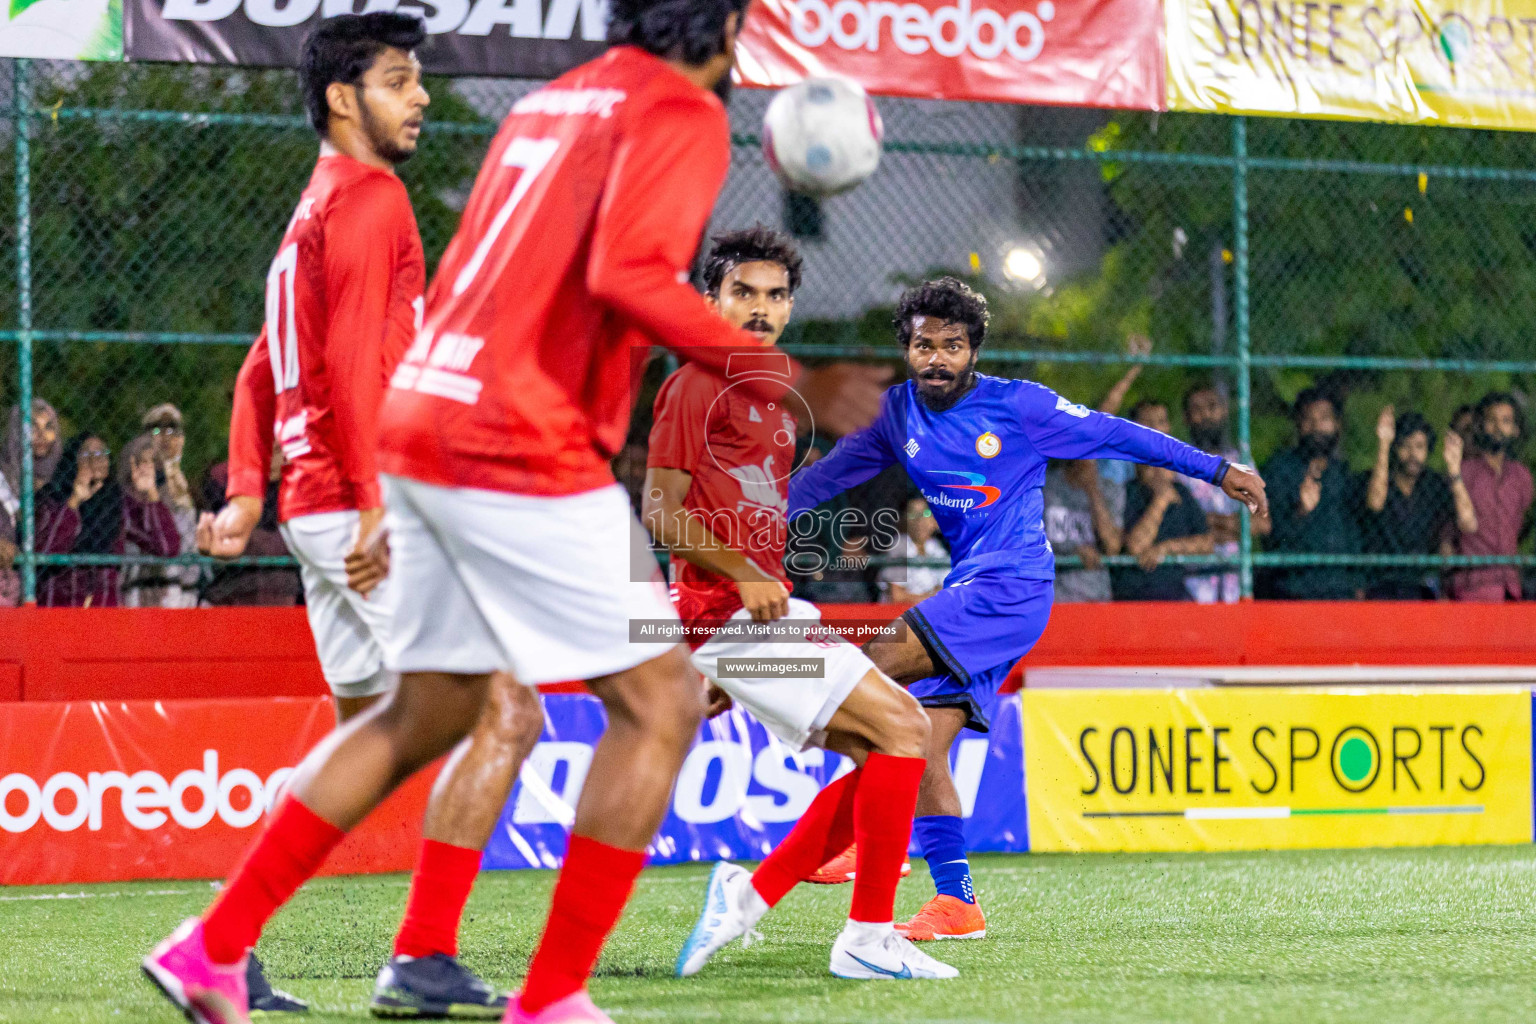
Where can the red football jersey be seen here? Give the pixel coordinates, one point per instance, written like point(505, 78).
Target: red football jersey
point(740, 450)
point(571, 260)
point(344, 297)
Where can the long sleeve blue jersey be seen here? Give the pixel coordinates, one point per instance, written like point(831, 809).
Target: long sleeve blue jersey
point(981, 465)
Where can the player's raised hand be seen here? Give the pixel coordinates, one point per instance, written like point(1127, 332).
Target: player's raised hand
point(367, 564)
point(1246, 486)
point(764, 601)
point(844, 397)
point(226, 534)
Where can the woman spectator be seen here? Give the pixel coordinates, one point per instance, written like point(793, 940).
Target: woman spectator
point(905, 583)
point(83, 511)
point(46, 447)
point(163, 424)
point(148, 586)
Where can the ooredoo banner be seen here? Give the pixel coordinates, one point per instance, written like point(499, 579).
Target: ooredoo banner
point(96, 791)
point(1245, 769)
point(1104, 53)
point(1098, 53)
point(1455, 62)
point(105, 792)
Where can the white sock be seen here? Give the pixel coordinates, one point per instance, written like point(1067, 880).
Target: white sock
point(862, 932)
point(753, 906)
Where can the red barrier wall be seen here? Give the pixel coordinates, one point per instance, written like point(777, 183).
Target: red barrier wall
point(120, 654)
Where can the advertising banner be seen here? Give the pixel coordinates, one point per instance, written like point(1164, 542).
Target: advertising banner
point(106, 792)
point(1276, 769)
point(62, 29)
point(740, 790)
point(1456, 62)
point(1086, 52)
point(1098, 53)
point(520, 38)
point(97, 791)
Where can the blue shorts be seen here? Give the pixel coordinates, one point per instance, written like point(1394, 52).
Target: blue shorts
point(976, 630)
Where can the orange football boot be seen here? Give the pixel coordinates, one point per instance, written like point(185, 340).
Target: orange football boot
point(945, 917)
point(840, 869)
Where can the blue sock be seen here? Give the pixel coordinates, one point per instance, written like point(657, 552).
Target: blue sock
point(942, 839)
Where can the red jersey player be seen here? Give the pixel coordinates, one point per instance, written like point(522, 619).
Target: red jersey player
point(344, 294)
point(716, 493)
point(513, 548)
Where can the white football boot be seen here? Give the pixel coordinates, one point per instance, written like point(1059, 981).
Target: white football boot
point(731, 909)
point(875, 952)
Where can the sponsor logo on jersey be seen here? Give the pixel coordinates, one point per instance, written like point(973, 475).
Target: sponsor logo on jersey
point(1071, 408)
point(988, 445)
point(759, 488)
point(975, 483)
point(949, 31)
point(911, 448)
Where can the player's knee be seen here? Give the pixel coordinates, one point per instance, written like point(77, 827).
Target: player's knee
point(513, 715)
point(909, 730)
point(662, 700)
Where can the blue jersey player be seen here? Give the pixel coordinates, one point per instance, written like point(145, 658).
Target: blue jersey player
point(976, 446)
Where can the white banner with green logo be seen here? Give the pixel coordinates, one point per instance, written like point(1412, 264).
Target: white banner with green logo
point(62, 29)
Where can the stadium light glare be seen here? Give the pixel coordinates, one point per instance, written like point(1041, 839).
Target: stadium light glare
point(1024, 265)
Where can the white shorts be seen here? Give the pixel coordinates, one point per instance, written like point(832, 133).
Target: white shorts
point(797, 709)
point(544, 588)
point(348, 629)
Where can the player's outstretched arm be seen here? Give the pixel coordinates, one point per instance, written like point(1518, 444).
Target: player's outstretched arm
point(689, 537)
point(854, 459)
point(1060, 429)
point(1245, 485)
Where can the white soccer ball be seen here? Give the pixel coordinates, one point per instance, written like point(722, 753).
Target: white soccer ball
point(822, 136)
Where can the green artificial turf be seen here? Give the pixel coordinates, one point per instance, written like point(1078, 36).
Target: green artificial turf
point(1363, 937)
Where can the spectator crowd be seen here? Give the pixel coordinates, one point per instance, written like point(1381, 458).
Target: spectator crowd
point(93, 501)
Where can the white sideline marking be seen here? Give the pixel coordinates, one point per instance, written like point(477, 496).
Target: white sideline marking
point(95, 895)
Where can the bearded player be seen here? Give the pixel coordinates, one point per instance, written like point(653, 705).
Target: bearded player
point(512, 548)
point(718, 469)
point(976, 446)
point(343, 295)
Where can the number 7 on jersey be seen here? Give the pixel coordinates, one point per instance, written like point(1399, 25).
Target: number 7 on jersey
point(532, 156)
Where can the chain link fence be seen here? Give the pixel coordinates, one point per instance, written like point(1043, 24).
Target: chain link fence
point(1384, 265)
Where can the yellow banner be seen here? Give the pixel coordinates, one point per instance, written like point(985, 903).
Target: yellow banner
point(1275, 769)
point(1453, 62)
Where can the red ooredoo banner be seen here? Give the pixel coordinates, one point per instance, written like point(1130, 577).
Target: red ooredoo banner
point(107, 791)
point(1099, 53)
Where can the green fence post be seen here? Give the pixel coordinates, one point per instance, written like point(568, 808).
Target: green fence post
point(1240, 328)
point(21, 112)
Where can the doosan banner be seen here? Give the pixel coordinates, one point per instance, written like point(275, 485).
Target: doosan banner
point(95, 792)
point(1084, 52)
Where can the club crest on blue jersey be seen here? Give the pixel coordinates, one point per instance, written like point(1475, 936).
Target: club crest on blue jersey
point(988, 445)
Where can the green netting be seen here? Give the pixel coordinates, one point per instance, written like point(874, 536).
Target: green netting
point(1389, 264)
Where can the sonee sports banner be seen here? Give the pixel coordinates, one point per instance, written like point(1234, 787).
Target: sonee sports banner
point(1104, 53)
point(1247, 769)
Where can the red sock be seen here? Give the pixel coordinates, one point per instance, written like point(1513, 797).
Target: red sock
point(823, 831)
point(594, 885)
point(439, 889)
point(882, 826)
point(294, 845)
